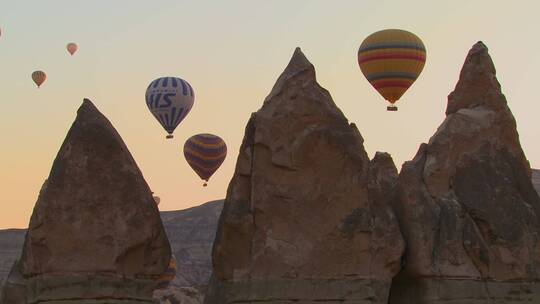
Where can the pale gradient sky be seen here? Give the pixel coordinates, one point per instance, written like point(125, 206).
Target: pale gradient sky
point(232, 52)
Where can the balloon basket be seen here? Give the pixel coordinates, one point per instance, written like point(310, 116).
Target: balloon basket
point(205, 184)
point(391, 108)
point(169, 136)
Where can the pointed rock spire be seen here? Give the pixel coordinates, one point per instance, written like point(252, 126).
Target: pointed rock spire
point(478, 84)
point(467, 208)
point(95, 223)
point(297, 223)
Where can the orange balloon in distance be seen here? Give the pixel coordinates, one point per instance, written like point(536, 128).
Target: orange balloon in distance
point(392, 60)
point(72, 48)
point(39, 77)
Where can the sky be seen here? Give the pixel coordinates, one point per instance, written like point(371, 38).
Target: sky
point(232, 52)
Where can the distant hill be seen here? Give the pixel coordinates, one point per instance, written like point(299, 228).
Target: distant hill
point(191, 234)
point(536, 179)
point(11, 241)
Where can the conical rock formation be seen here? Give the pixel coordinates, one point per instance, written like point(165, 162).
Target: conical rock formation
point(305, 218)
point(467, 207)
point(95, 233)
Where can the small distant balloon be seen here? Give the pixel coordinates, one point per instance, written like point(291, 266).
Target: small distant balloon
point(169, 99)
point(157, 199)
point(39, 77)
point(72, 48)
point(205, 153)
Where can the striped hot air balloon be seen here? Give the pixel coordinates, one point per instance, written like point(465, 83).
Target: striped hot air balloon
point(168, 276)
point(39, 77)
point(205, 153)
point(392, 60)
point(169, 99)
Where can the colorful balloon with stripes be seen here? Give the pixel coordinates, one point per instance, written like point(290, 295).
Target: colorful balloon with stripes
point(392, 60)
point(168, 276)
point(169, 99)
point(205, 153)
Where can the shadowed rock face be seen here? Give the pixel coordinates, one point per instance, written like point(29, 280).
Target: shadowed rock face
point(95, 232)
point(191, 233)
point(467, 207)
point(298, 223)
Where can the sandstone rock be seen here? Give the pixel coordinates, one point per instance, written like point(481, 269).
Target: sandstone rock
point(297, 223)
point(95, 233)
point(191, 233)
point(179, 295)
point(467, 208)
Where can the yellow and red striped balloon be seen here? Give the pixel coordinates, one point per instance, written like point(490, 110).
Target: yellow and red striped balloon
point(205, 153)
point(392, 60)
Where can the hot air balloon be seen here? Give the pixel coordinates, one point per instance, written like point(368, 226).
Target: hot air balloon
point(169, 99)
point(157, 199)
point(205, 153)
point(392, 60)
point(39, 77)
point(168, 276)
point(72, 48)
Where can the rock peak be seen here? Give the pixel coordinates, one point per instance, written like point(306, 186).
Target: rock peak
point(88, 104)
point(299, 68)
point(95, 215)
point(477, 85)
point(300, 156)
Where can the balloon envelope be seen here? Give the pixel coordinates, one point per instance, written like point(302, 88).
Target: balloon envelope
point(39, 77)
point(72, 48)
point(392, 60)
point(168, 276)
point(169, 99)
point(205, 153)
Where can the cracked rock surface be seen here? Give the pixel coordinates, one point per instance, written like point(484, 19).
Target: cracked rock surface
point(467, 207)
point(306, 217)
point(95, 233)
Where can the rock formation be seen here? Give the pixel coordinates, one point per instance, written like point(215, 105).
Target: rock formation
point(191, 233)
point(305, 218)
point(179, 295)
point(95, 234)
point(467, 208)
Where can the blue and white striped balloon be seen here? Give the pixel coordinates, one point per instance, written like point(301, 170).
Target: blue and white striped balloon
point(169, 99)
